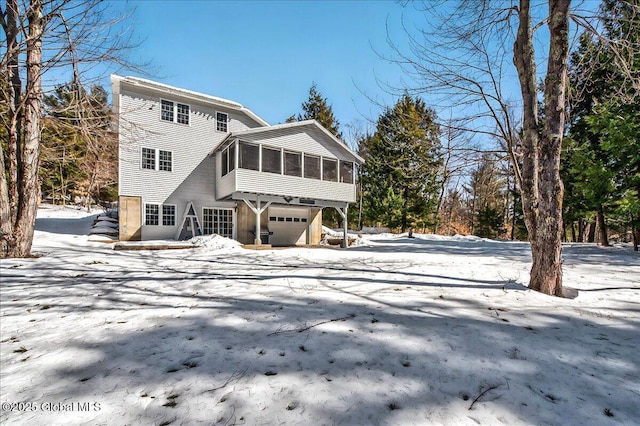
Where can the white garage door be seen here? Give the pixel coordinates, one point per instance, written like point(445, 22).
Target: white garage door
point(288, 225)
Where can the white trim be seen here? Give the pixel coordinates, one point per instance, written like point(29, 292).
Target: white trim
point(175, 112)
point(335, 160)
point(228, 123)
point(284, 156)
point(117, 81)
point(308, 123)
point(233, 219)
point(156, 159)
point(175, 214)
point(144, 222)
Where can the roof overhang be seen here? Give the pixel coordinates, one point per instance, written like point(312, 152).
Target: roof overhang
point(117, 81)
point(293, 127)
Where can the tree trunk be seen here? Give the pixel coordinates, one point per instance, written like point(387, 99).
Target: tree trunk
point(580, 231)
point(635, 234)
point(591, 232)
point(542, 189)
point(405, 202)
point(8, 181)
point(573, 232)
point(602, 227)
point(28, 192)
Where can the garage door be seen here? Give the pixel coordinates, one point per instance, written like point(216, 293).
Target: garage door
point(288, 225)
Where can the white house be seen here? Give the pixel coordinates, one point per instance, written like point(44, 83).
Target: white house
point(193, 164)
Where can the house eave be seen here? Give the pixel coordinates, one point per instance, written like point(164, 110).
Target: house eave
point(285, 126)
point(117, 81)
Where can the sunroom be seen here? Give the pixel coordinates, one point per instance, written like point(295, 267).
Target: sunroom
point(295, 164)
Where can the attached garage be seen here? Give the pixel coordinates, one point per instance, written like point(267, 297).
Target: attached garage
point(288, 226)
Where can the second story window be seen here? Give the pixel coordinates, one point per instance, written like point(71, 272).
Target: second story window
point(346, 172)
point(167, 111)
point(174, 112)
point(222, 119)
point(164, 161)
point(271, 160)
point(183, 114)
point(311, 166)
point(293, 163)
point(148, 158)
point(157, 159)
point(228, 159)
point(248, 156)
point(329, 170)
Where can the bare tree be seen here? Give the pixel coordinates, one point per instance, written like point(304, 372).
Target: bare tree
point(464, 55)
point(459, 153)
point(44, 35)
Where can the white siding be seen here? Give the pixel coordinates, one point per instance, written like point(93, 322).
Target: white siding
point(193, 173)
point(225, 185)
point(307, 140)
point(273, 184)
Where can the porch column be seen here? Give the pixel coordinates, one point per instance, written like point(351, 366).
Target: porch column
point(257, 241)
point(258, 209)
point(343, 214)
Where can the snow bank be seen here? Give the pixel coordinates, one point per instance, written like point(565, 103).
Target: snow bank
point(429, 330)
point(215, 243)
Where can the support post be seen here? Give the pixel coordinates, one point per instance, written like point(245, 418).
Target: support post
point(343, 214)
point(257, 240)
point(258, 209)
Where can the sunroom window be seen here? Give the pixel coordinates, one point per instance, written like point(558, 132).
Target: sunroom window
point(311, 167)
point(249, 156)
point(293, 163)
point(329, 170)
point(271, 160)
point(346, 171)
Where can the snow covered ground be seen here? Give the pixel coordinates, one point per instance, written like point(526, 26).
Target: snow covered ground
point(392, 331)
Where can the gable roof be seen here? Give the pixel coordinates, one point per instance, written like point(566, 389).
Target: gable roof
point(117, 81)
point(291, 127)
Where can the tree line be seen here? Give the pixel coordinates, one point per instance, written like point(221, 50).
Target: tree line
point(564, 163)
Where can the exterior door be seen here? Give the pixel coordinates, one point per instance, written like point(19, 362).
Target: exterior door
point(130, 217)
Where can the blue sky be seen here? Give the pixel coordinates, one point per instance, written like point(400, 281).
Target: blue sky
point(266, 54)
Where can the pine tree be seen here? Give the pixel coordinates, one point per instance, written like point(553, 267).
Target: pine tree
point(601, 164)
point(488, 190)
point(79, 153)
point(402, 161)
point(317, 108)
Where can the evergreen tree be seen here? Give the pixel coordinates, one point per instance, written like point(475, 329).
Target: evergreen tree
point(317, 108)
point(488, 190)
point(402, 160)
point(601, 164)
point(79, 153)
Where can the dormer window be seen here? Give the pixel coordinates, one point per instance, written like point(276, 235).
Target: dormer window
point(222, 118)
point(174, 112)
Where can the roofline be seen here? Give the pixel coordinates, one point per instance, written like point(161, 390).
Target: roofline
point(288, 126)
point(117, 80)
